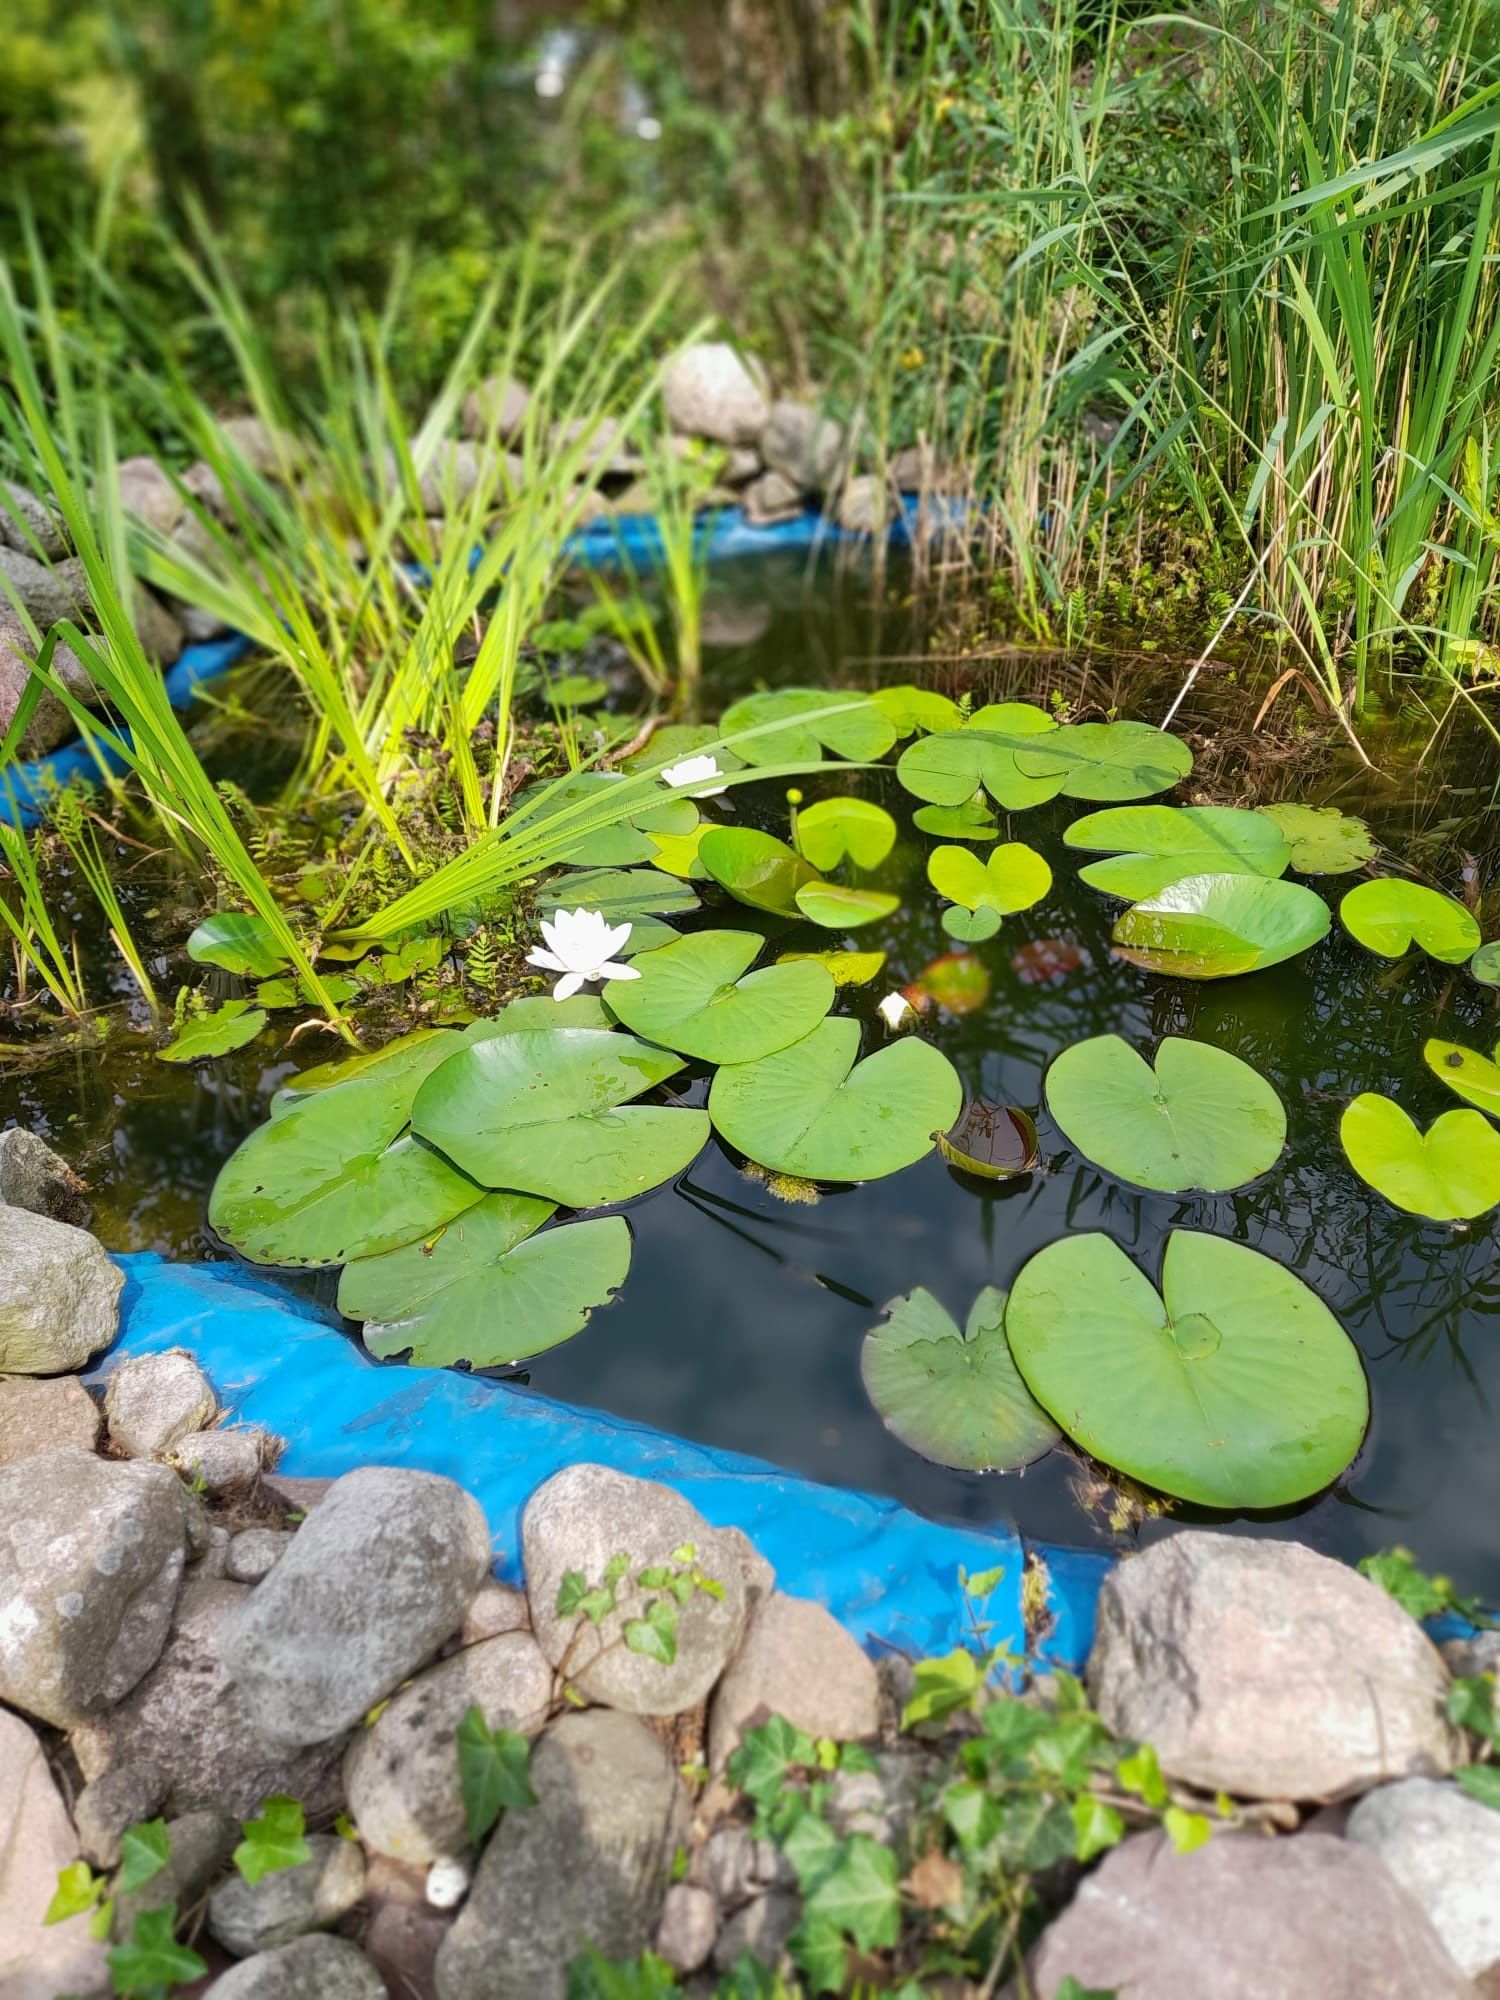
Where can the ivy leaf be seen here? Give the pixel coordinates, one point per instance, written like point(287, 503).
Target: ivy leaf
point(1096, 1827)
point(593, 1977)
point(1141, 1774)
point(818, 1949)
point(1185, 1830)
point(153, 1958)
point(494, 1771)
point(144, 1851)
point(1471, 1704)
point(812, 1847)
point(860, 1895)
point(767, 1757)
point(655, 1635)
point(972, 1814)
point(575, 1595)
point(78, 1890)
point(1482, 1782)
point(943, 1686)
point(1071, 1990)
point(1418, 1594)
point(274, 1841)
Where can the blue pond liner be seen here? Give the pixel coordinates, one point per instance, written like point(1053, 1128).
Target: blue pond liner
point(887, 1574)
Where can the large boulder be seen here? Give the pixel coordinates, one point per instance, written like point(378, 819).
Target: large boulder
point(795, 1660)
point(401, 1775)
point(59, 1295)
point(189, 1720)
point(1245, 1918)
point(576, 1523)
point(310, 1968)
point(588, 1864)
point(152, 1400)
point(33, 1176)
point(247, 1917)
point(36, 1841)
point(91, 1556)
point(379, 1575)
point(710, 392)
point(42, 1412)
point(1444, 1848)
point(1264, 1669)
point(802, 444)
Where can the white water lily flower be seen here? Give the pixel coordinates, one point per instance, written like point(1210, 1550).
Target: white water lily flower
point(894, 1009)
point(579, 946)
point(692, 771)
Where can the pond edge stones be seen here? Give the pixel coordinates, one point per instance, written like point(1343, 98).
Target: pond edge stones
point(59, 1295)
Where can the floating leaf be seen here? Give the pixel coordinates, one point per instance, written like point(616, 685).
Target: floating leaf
point(1200, 1118)
point(1150, 847)
point(1046, 959)
point(239, 943)
point(1236, 1387)
point(1107, 760)
point(1389, 917)
point(994, 1141)
point(677, 742)
point(848, 968)
point(1485, 964)
point(910, 709)
point(677, 853)
point(970, 926)
point(973, 820)
point(700, 997)
point(949, 769)
point(1450, 1172)
point(813, 1111)
point(958, 982)
point(849, 725)
point(1324, 841)
point(273, 994)
point(618, 894)
point(1212, 926)
point(628, 841)
point(542, 1113)
point(487, 1290)
point(1474, 1076)
point(414, 1054)
point(755, 867)
point(213, 1033)
point(1012, 877)
point(835, 908)
point(956, 1398)
point(841, 829)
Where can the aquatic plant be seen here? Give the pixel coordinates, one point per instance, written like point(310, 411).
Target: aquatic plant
point(955, 1397)
point(1214, 926)
point(580, 945)
point(1389, 916)
point(1450, 1172)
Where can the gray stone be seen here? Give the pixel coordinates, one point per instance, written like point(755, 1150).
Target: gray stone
point(881, 1803)
point(27, 522)
point(91, 1555)
point(59, 1295)
point(759, 1576)
point(188, 1718)
point(198, 626)
point(33, 1176)
point(496, 408)
point(152, 1400)
point(772, 497)
point(254, 1553)
point(401, 1775)
point(273, 454)
point(727, 1866)
point(160, 634)
point(588, 1864)
point(496, 1609)
point(201, 1846)
point(221, 1461)
point(689, 1924)
point(864, 505)
point(48, 591)
point(1246, 1918)
point(400, 1931)
point(377, 1577)
point(795, 1660)
point(213, 1559)
point(1264, 1669)
point(36, 1841)
point(605, 447)
point(204, 485)
point(120, 1798)
point(581, 1518)
point(309, 1968)
point(918, 469)
point(762, 1928)
point(708, 391)
point(1479, 1653)
point(147, 493)
point(50, 722)
point(741, 464)
point(42, 1412)
point(248, 1917)
point(802, 444)
point(1444, 1848)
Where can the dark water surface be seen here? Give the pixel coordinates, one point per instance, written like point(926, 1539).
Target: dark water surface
point(741, 1321)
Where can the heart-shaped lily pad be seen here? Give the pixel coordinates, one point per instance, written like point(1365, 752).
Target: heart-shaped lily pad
point(912, 709)
point(1450, 1172)
point(849, 725)
point(1200, 1118)
point(973, 820)
point(1212, 926)
point(1235, 1387)
point(994, 1142)
point(1474, 1076)
point(413, 1055)
point(813, 1111)
point(549, 1114)
point(956, 1398)
point(970, 926)
point(1324, 841)
point(1388, 917)
point(948, 769)
point(1011, 877)
point(1106, 760)
point(487, 1290)
point(1150, 847)
point(233, 1025)
point(755, 867)
point(700, 997)
point(238, 942)
point(841, 829)
point(834, 908)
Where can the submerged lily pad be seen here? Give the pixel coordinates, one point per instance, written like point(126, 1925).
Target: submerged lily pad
point(973, 820)
point(957, 981)
point(995, 1142)
point(232, 1026)
point(1200, 1118)
point(549, 1114)
point(835, 908)
point(700, 997)
point(1450, 1172)
point(618, 894)
point(1150, 847)
point(1474, 1076)
point(834, 830)
point(1011, 877)
point(913, 709)
point(1212, 926)
point(849, 725)
point(1389, 917)
point(1107, 760)
point(239, 943)
point(957, 1398)
point(487, 1290)
point(812, 1110)
point(1235, 1387)
point(1324, 841)
point(755, 867)
point(847, 968)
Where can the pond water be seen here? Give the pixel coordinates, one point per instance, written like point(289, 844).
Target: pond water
point(741, 1321)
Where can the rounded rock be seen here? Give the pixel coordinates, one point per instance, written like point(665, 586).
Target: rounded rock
point(795, 1660)
point(309, 1968)
point(1443, 1847)
point(152, 1400)
point(710, 392)
point(59, 1295)
point(43, 1413)
point(688, 1927)
point(254, 1553)
point(248, 1917)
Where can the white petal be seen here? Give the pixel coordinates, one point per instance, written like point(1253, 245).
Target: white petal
point(549, 933)
point(894, 1009)
point(548, 960)
point(614, 970)
point(614, 940)
point(567, 986)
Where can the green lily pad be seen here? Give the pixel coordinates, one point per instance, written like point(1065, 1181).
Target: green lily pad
point(913, 709)
point(1450, 1172)
point(995, 1142)
point(549, 1114)
point(970, 926)
point(677, 853)
point(540, 1010)
point(215, 1033)
point(641, 897)
point(948, 769)
point(1150, 847)
point(957, 1398)
point(847, 968)
point(239, 943)
point(1212, 926)
point(1388, 917)
point(1012, 877)
point(812, 1110)
point(1485, 964)
point(1200, 1118)
point(415, 1055)
point(700, 997)
point(1474, 1076)
point(487, 1290)
point(841, 829)
point(1324, 841)
point(835, 908)
point(1107, 760)
point(277, 994)
point(755, 867)
point(676, 742)
point(617, 846)
point(855, 729)
point(337, 1176)
point(973, 820)
point(1235, 1387)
